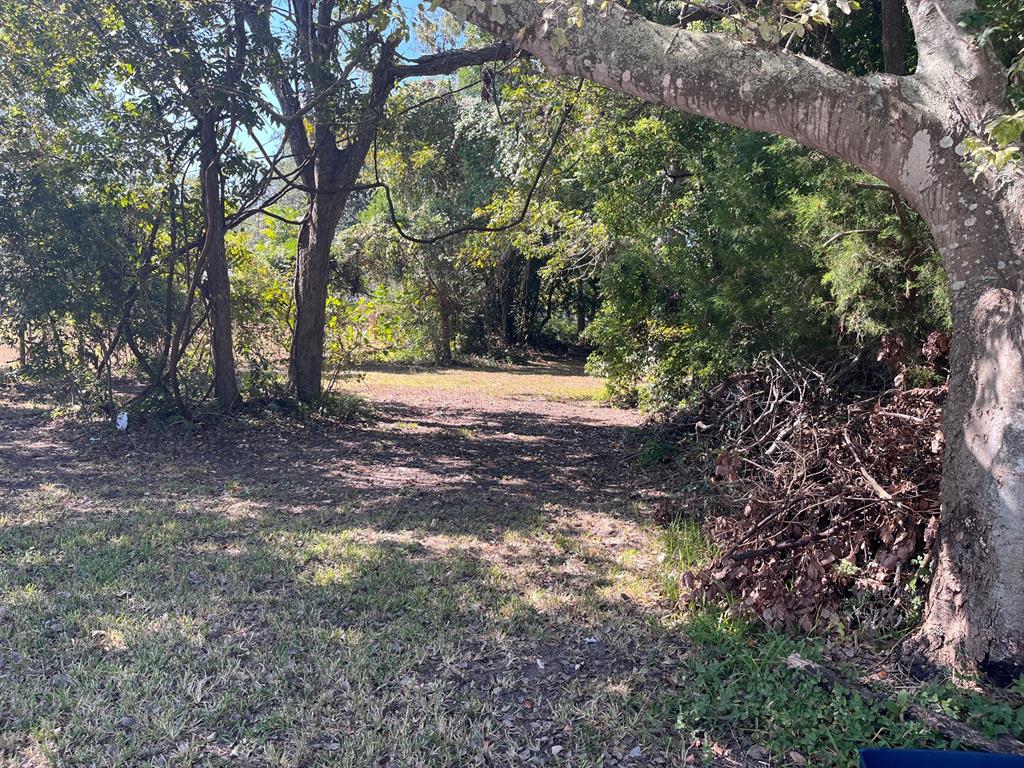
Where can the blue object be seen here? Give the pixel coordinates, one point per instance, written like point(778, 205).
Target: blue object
point(927, 758)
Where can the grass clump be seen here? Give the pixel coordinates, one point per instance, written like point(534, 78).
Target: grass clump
point(741, 687)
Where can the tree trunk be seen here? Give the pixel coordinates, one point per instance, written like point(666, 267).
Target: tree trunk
point(508, 267)
point(22, 349)
point(975, 612)
point(214, 253)
point(445, 333)
point(894, 50)
point(328, 173)
point(329, 179)
point(581, 310)
point(312, 273)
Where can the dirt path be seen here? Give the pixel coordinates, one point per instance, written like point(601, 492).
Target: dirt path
point(467, 578)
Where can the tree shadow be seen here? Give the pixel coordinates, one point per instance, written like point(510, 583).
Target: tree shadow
point(156, 634)
point(443, 585)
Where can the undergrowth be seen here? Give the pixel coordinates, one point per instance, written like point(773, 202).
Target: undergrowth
point(739, 689)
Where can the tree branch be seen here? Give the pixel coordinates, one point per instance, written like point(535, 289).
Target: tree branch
point(448, 62)
point(864, 120)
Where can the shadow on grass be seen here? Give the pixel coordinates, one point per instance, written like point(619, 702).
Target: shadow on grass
point(151, 635)
point(451, 470)
point(441, 586)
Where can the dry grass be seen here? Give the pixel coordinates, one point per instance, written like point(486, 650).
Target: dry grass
point(562, 387)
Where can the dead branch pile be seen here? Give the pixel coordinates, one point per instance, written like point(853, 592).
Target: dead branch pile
point(824, 494)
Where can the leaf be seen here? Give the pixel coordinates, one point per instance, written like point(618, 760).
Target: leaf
point(559, 39)
point(768, 32)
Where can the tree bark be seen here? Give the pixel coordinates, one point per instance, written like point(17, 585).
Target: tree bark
point(22, 349)
point(445, 333)
point(214, 254)
point(581, 309)
point(336, 173)
point(975, 611)
point(904, 130)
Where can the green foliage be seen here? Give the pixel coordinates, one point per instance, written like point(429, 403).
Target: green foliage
point(342, 406)
point(655, 451)
point(262, 261)
point(727, 244)
point(738, 680)
point(882, 269)
point(1000, 24)
point(449, 163)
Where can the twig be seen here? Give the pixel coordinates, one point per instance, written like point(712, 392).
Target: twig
point(944, 724)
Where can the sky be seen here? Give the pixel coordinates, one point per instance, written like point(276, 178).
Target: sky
point(270, 134)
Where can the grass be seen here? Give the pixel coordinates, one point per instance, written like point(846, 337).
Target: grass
point(161, 635)
point(515, 384)
point(741, 691)
point(161, 631)
point(685, 547)
point(157, 609)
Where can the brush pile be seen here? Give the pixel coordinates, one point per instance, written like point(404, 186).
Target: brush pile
point(821, 493)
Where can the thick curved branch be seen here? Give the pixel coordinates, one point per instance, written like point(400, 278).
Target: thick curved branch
point(864, 120)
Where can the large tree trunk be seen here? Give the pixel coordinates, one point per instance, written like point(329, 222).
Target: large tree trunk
point(214, 253)
point(905, 130)
point(975, 612)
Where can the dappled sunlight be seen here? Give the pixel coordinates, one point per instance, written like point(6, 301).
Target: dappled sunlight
point(330, 594)
point(560, 384)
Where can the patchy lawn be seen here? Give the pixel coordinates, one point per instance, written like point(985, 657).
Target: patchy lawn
point(562, 382)
point(469, 578)
point(463, 580)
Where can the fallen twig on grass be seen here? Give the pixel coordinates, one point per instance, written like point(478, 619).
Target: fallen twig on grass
point(940, 723)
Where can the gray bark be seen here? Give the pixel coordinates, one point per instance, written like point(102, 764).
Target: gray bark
point(905, 131)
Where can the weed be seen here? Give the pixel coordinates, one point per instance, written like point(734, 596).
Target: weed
point(342, 406)
point(655, 452)
point(685, 548)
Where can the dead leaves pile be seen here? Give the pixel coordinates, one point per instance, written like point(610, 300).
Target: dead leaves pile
point(822, 494)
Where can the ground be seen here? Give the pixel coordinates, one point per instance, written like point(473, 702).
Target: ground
point(463, 579)
point(468, 576)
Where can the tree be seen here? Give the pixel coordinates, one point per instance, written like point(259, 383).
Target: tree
point(909, 132)
point(189, 59)
point(323, 44)
point(77, 228)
